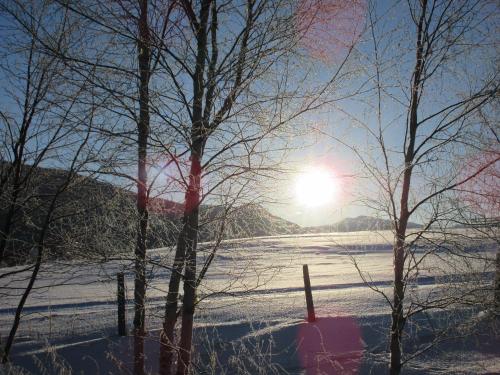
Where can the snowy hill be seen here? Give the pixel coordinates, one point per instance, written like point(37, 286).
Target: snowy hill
point(90, 207)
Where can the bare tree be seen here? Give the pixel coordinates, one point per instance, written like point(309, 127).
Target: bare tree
point(46, 124)
point(52, 213)
point(431, 85)
point(121, 45)
point(238, 60)
point(144, 57)
point(204, 88)
point(31, 96)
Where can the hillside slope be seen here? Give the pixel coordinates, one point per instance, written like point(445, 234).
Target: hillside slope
point(96, 218)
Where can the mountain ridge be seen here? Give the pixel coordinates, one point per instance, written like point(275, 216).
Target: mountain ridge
point(355, 224)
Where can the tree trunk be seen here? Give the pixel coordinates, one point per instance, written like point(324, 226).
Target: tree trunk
point(20, 306)
point(167, 344)
point(398, 320)
point(122, 318)
point(27, 291)
point(142, 189)
point(186, 245)
point(191, 241)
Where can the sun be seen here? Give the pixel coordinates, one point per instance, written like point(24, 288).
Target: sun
point(316, 187)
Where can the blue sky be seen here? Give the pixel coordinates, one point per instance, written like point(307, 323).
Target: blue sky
point(314, 142)
point(463, 73)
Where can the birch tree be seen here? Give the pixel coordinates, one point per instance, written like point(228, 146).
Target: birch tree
point(234, 92)
point(428, 96)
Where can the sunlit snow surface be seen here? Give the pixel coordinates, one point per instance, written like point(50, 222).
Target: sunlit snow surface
point(253, 288)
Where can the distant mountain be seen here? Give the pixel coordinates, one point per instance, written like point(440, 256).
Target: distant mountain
point(97, 218)
point(252, 221)
point(355, 224)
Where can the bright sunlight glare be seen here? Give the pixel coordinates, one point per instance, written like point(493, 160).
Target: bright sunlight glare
point(316, 187)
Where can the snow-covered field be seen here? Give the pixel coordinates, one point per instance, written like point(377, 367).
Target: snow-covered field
point(251, 310)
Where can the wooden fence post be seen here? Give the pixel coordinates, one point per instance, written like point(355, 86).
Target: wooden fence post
point(311, 317)
point(122, 328)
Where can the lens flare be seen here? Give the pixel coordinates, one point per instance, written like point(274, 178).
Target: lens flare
point(331, 345)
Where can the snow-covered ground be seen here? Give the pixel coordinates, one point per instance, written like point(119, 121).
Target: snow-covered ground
point(252, 302)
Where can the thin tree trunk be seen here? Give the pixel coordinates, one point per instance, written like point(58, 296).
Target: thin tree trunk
point(29, 287)
point(398, 319)
point(198, 139)
point(167, 344)
point(20, 306)
point(186, 245)
point(189, 298)
point(142, 193)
